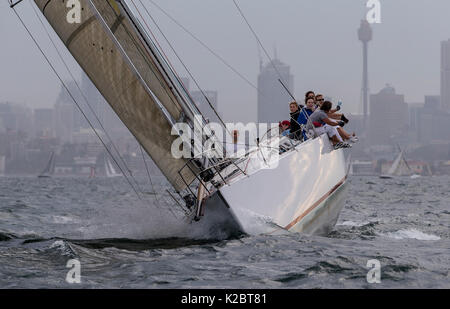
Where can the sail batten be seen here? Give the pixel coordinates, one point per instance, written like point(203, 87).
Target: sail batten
point(120, 67)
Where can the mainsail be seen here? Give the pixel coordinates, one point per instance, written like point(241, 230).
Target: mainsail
point(110, 171)
point(130, 74)
point(50, 168)
point(399, 167)
point(394, 170)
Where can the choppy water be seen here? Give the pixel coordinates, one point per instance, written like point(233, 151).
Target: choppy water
point(404, 223)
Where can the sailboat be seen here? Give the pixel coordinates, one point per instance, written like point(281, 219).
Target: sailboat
point(110, 171)
point(303, 191)
point(397, 168)
point(50, 167)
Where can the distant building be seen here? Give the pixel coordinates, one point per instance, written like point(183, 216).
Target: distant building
point(388, 117)
point(64, 122)
point(362, 168)
point(273, 99)
point(203, 104)
point(43, 122)
point(432, 101)
point(445, 75)
point(433, 123)
point(96, 102)
point(87, 136)
point(356, 124)
point(365, 35)
point(16, 117)
point(414, 111)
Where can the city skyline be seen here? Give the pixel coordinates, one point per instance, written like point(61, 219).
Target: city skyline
point(329, 62)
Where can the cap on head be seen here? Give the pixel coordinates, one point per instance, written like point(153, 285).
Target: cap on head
point(285, 123)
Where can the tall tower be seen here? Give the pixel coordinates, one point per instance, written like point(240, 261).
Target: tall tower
point(365, 36)
point(445, 75)
point(273, 100)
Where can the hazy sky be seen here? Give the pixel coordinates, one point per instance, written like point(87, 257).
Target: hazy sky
point(317, 38)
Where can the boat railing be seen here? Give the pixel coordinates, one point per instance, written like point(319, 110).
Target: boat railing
point(219, 172)
point(215, 169)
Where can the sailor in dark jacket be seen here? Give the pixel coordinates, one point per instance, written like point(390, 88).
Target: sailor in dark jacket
point(295, 126)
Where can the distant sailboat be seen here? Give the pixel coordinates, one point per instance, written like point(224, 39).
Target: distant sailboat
point(50, 168)
point(397, 167)
point(110, 171)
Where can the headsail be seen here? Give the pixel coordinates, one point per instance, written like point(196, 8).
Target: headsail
point(395, 166)
point(50, 168)
point(121, 65)
point(110, 171)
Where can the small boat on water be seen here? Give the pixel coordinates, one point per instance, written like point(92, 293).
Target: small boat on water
point(50, 168)
point(398, 167)
point(302, 189)
point(110, 171)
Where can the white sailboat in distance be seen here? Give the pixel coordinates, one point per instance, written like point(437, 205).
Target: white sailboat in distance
point(49, 168)
point(303, 192)
point(397, 168)
point(110, 171)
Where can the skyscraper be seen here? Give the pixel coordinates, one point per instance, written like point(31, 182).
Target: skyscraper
point(96, 102)
point(365, 36)
point(273, 99)
point(64, 117)
point(388, 117)
point(43, 122)
point(203, 104)
point(98, 105)
point(445, 75)
point(66, 114)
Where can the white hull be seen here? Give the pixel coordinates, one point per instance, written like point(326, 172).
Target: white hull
point(305, 193)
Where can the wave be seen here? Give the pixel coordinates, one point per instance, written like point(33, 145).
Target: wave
point(352, 223)
point(138, 244)
point(6, 236)
point(411, 234)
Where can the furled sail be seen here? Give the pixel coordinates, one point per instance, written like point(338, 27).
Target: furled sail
point(121, 65)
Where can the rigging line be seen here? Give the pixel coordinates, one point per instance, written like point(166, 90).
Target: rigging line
point(12, 5)
point(184, 65)
point(193, 103)
point(163, 83)
point(159, 57)
point(161, 50)
point(151, 183)
point(166, 59)
point(205, 122)
point(205, 46)
point(158, 204)
point(257, 39)
point(83, 95)
point(68, 91)
point(148, 174)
